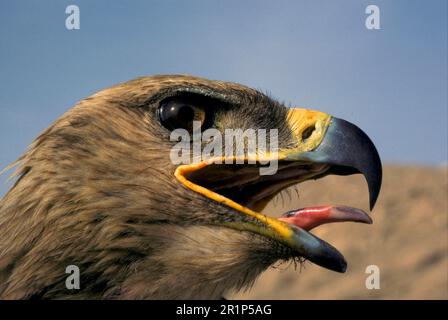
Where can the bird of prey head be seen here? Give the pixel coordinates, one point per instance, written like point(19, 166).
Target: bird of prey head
point(98, 190)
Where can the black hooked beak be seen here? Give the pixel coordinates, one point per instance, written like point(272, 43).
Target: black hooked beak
point(348, 150)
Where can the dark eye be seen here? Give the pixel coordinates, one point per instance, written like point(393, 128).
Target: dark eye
point(180, 114)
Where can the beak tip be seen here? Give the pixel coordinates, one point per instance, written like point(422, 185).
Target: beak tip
point(372, 203)
point(375, 186)
point(343, 267)
point(340, 267)
point(318, 251)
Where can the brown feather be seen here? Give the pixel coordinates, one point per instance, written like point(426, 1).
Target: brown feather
point(96, 189)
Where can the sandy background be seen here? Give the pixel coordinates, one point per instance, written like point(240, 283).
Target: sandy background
point(408, 240)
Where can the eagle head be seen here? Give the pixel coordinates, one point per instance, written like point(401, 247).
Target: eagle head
point(117, 188)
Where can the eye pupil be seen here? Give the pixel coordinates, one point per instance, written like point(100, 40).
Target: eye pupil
point(176, 116)
point(185, 112)
point(180, 114)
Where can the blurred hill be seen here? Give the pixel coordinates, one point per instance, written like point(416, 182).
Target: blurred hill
point(408, 240)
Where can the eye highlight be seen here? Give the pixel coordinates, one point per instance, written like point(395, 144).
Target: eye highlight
point(179, 113)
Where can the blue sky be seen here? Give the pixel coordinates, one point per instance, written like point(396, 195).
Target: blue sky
point(316, 54)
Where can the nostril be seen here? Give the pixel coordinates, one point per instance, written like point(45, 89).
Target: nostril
point(308, 132)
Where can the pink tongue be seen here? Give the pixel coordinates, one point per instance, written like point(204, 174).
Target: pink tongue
point(311, 217)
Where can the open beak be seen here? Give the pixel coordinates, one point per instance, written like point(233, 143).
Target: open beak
point(325, 145)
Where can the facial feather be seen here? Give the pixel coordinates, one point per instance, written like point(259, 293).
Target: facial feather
point(96, 189)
